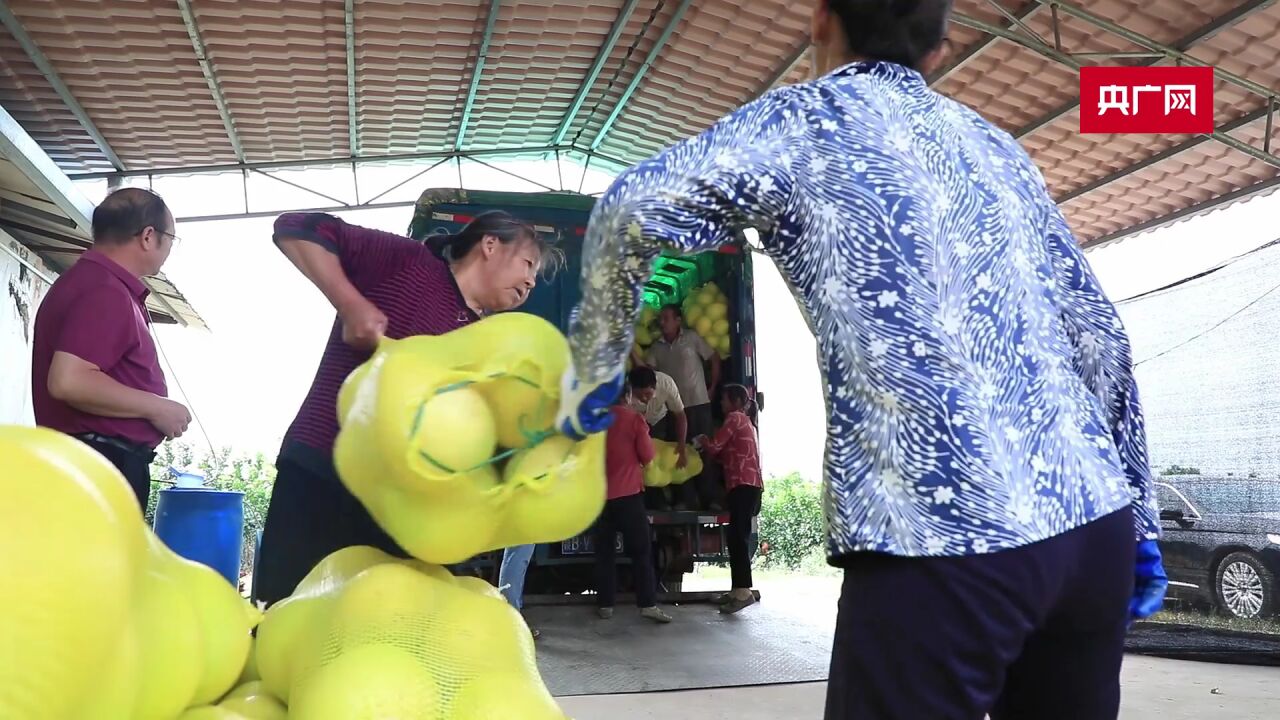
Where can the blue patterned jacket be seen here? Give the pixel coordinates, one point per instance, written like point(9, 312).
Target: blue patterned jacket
point(978, 383)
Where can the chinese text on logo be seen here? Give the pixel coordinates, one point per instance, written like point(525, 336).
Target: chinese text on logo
point(1146, 100)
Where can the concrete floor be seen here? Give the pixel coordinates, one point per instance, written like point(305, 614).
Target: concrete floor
point(1154, 690)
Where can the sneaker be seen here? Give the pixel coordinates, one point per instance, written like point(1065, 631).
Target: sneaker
point(737, 604)
point(655, 614)
point(605, 613)
point(723, 598)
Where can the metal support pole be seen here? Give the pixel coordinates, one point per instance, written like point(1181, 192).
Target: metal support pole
point(1057, 29)
point(355, 182)
point(559, 172)
point(406, 181)
point(517, 176)
point(301, 187)
point(1070, 62)
point(460, 187)
point(1271, 116)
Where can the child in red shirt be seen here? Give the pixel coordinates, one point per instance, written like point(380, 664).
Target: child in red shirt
point(628, 449)
point(737, 449)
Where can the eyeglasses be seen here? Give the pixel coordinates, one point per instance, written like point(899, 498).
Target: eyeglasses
point(175, 240)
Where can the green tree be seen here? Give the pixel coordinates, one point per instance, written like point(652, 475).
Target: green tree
point(223, 469)
point(791, 521)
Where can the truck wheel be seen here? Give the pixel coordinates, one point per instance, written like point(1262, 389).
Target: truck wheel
point(1244, 588)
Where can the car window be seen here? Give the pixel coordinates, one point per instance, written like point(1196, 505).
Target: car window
point(1233, 496)
point(1168, 499)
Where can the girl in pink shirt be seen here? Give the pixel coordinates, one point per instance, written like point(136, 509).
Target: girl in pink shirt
point(737, 449)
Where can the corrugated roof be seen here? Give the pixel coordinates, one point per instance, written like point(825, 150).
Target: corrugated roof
point(44, 212)
point(617, 79)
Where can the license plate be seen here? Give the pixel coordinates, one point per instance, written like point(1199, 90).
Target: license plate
point(585, 545)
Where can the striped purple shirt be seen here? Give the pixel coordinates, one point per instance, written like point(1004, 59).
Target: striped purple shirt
point(408, 282)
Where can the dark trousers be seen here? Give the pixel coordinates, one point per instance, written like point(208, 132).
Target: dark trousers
point(311, 515)
point(706, 488)
point(744, 505)
point(625, 515)
point(134, 462)
point(1035, 633)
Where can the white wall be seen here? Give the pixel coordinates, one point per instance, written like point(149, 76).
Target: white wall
point(21, 290)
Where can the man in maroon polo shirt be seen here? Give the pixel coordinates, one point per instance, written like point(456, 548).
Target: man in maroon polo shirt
point(95, 374)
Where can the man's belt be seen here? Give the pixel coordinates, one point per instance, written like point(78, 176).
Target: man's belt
point(117, 443)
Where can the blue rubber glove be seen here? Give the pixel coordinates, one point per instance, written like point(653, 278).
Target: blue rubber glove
point(584, 409)
point(1150, 582)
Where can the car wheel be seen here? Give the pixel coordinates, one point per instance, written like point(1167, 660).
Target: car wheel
point(1244, 588)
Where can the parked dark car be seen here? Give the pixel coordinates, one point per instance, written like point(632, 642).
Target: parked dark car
point(1222, 541)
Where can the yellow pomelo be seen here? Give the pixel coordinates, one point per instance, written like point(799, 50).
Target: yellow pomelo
point(709, 294)
point(703, 326)
point(478, 635)
point(371, 682)
point(478, 586)
point(718, 311)
point(644, 336)
point(71, 548)
point(170, 646)
point(282, 637)
point(225, 621)
point(720, 328)
point(457, 431)
point(693, 315)
point(338, 567)
point(383, 604)
point(503, 696)
point(445, 529)
point(519, 409)
point(434, 571)
point(250, 672)
point(254, 704)
point(118, 683)
point(211, 712)
point(559, 489)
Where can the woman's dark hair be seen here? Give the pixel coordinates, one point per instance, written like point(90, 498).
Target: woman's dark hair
point(642, 378)
point(897, 31)
point(741, 398)
point(126, 212)
point(502, 225)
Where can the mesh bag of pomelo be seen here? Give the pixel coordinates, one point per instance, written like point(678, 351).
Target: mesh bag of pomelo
point(367, 636)
point(447, 441)
point(663, 471)
point(98, 618)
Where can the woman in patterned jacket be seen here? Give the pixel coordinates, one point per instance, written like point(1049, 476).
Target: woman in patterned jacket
point(988, 492)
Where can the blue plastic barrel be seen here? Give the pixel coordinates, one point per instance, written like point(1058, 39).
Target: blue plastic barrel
point(203, 525)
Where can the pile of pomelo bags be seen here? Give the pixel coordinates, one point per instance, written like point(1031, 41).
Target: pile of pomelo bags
point(446, 440)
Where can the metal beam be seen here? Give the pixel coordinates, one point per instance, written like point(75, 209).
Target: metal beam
point(20, 149)
point(481, 56)
point(973, 51)
point(211, 79)
point(353, 128)
point(1199, 35)
point(1071, 62)
point(593, 74)
point(42, 63)
point(1145, 163)
point(1243, 193)
point(326, 162)
point(275, 213)
point(643, 70)
point(1172, 53)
